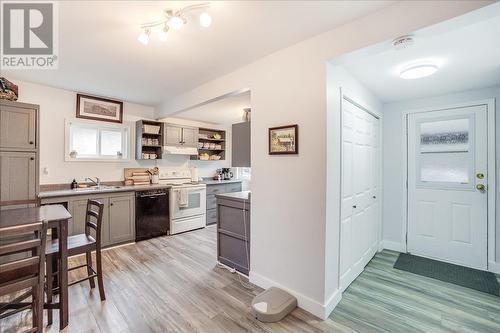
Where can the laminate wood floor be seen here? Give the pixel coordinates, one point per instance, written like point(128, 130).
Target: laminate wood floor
point(171, 284)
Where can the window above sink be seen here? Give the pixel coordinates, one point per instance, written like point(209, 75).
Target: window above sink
point(91, 141)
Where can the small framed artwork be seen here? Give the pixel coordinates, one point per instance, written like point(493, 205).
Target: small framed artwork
point(98, 108)
point(284, 140)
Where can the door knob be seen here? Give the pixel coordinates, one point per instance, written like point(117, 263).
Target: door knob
point(480, 175)
point(480, 187)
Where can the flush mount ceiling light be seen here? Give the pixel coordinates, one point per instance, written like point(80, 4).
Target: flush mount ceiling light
point(418, 71)
point(173, 20)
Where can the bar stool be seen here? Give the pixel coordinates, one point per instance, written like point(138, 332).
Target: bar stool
point(80, 244)
point(28, 272)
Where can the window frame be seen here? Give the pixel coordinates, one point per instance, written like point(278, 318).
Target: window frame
point(122, 128)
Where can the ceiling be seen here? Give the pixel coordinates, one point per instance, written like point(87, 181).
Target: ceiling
point(468, 56)
point(225, 111)
point(99, 52)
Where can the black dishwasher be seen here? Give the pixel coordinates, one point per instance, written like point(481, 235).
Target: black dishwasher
point(151, 214)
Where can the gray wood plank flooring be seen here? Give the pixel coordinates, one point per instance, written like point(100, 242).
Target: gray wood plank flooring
point(384, 299)
point(171, 284)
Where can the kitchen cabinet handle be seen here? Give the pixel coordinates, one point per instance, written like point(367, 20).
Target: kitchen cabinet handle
point(32, 158)
point(374, 197)
point(111, 204)
point(354, 206)
point(31, 142)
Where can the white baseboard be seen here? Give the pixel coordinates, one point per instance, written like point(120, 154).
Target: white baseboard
point(321, 311)
point(494, 267)
point(394, 246)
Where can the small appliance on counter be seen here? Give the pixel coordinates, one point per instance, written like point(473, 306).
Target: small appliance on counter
point(226, 174)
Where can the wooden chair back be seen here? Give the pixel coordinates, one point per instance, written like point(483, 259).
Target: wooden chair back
point(29, 239)
point(93, 220)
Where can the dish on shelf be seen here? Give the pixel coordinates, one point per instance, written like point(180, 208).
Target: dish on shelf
point(215, 157)
point(204, 157)
point(217, 136)
point(200, 144)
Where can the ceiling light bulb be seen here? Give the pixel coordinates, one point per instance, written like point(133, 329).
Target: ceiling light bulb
point(144, 37)
point(205, 20)
point(175, 22)
point(418, 71)
point(163, 34)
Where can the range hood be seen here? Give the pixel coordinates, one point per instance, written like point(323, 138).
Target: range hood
point(175, 150)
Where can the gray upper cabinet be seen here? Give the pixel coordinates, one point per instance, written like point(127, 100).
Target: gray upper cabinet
point(18, 127)
point(241, 151)
point(173, 135)
point(18, 177)
point(121, 219)
point(190, 137)
point(176, 135)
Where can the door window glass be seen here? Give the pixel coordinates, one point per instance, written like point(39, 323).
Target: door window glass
point(444, 151)
point(444, 136)
point(443, 167)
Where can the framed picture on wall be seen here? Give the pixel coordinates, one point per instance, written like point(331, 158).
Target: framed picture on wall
point(98, 108)
point(284, 140)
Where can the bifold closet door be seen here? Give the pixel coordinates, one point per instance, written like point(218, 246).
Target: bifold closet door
point(360, 218)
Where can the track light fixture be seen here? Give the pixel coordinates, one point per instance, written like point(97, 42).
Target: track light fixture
point(173, 20)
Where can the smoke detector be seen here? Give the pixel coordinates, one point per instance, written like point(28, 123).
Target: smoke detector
point(403, 42)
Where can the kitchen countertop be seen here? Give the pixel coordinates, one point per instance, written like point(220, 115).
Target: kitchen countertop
point(243, 196)
point(123, 188)
point(209, 181)
point(107, 189)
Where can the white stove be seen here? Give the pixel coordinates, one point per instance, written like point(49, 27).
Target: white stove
point(187, 201)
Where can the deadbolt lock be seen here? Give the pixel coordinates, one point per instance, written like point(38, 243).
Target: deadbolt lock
point(480, 187)
point(480, 175)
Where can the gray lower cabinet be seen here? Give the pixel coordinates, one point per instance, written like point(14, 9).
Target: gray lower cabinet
point(17, 176)
point(233, 233)
point(118, 221)
point(121, 219)
point(212, 190)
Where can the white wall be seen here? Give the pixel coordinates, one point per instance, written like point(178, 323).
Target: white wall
point(56, 105)
point(394, 177)
point(339, 78)
point(289, 202)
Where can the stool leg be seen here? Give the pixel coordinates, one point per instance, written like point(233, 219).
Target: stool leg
point(50, 286)
point(89, 271)
point(99, 275)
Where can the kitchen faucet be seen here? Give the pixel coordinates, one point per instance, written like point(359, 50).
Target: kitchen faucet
point(97, 182)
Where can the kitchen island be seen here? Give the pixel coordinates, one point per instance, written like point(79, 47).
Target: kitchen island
point(233, 230)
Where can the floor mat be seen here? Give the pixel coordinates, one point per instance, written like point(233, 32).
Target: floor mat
point(462, 276)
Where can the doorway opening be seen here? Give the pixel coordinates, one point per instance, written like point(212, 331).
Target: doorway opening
point(435, 102)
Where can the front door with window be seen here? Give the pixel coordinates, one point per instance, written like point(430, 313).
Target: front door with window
point(447, 193)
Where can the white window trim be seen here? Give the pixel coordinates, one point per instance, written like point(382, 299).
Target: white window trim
point(122, 127)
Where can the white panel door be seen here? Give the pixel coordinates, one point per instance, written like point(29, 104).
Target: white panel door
point(359, 193)
point(447, 177)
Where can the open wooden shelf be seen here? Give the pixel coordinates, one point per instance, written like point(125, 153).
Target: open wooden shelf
point(209, 132)
point(144, 147)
